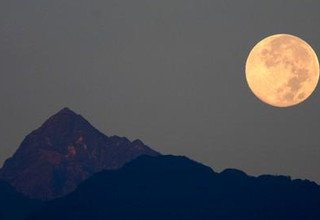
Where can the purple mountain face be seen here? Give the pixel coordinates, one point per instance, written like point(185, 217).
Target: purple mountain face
point(64, 151)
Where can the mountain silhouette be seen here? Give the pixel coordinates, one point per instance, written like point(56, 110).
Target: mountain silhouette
point(13, 205)
point(65, 150)
point(84, 174)
point(174, 187)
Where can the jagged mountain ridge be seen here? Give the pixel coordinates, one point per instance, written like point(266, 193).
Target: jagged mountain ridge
point(70, 159)
point(65, 150)
point(175, 187)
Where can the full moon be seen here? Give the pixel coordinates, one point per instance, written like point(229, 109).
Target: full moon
point(282, 70)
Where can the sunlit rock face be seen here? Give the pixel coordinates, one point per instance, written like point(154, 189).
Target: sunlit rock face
point(65, 150)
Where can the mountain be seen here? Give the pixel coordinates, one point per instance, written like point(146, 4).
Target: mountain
point(171, 187)
point(13, 205)
point(65, 150)
point(87, 175)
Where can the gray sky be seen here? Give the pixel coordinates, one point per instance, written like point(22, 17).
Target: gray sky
point(168, 72)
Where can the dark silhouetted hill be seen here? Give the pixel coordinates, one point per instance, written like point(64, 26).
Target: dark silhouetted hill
point(172, 187)
point(13, 205)
point(65, 150)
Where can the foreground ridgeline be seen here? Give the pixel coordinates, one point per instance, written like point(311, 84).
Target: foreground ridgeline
point(14, 205)
point(65, 150)
point(171, 187)
point(67, 169)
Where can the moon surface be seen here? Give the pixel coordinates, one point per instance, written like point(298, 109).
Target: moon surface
point(282, 70)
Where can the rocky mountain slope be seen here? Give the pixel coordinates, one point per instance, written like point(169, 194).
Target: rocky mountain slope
point(65, 150)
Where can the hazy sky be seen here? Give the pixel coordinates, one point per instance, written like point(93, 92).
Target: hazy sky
point(168, 72)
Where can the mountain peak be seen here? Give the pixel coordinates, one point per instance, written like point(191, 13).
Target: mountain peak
point(63, 125)
point(66, 149)
point(64, 114)
point(66, 110)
